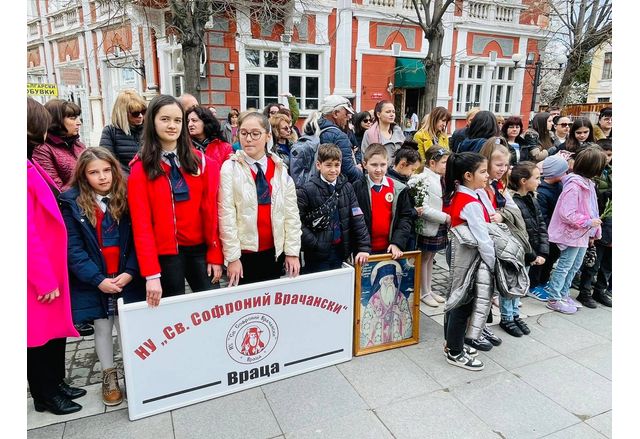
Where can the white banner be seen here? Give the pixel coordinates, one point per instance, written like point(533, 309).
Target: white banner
point(203, 345)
